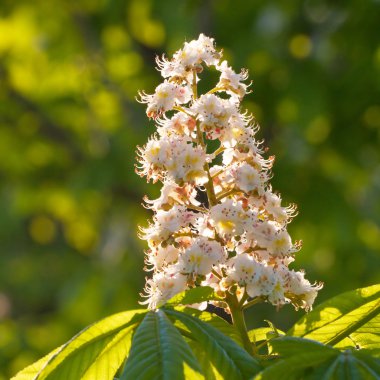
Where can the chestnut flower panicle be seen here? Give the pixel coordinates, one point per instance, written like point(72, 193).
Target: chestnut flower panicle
point(217, 221)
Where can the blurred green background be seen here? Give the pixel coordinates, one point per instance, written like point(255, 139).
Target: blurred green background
point(69, 124)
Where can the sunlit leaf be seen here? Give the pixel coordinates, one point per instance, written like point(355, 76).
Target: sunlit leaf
point(159, 352)
point(31, 371)
point(213, 320)
point(194, 295)
point(263, 333)
point(100, 341)
point(230, 360)
point(341, 316)
point(305, 359)
point(366, 337)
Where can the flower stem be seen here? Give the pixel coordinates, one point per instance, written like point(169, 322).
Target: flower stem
point(239, 322)
point(252, 302)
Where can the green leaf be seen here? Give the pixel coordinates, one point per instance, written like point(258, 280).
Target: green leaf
point(366, 337)
point(263, 333)
point(32, 370)
point(288, 346)
point(228, 358)
point(194, 295)
point(75, 359)
point(213, 320)
point(306, 359)
point(159, 352)
point(296, 356)
point(341, 317)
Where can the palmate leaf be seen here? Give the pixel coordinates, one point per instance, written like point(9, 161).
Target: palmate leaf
point(226, 356)
point(264, 333)
point(160, 353)
point(194, 295)
point(366, 337)
point(310, 360)
point(211, 319)
point(32, 370)
point(99, 349)
point(350, 313)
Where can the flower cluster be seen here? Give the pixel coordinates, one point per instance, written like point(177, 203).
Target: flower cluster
point(217, 222)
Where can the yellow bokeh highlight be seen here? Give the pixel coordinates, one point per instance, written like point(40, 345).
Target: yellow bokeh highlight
point(369, 233)
point(115, 38)
point(260, 62)
point(23, 78)
point(39, 153)
point(146, 30)
point(371, 116)
point(42, 229)
point(81, 235)
point(318, 130)
point(287, 110)
point(124, 65)
point(376, 57)
point(61, 204)
point(106, 105)
point(323, 259)
point(300, 46)
point(332, 163)
point(18, 32)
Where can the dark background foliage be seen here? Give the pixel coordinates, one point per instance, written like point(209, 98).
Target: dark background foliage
point(69, 124)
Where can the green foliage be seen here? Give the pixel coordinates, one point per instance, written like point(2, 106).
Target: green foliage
point(194, 295)
point(306, 359)
point(352, 317)
point(211, 319)
point(178, 343)
point(230, 360)
point(96, 351)
point(159, 352)
point(263, 333)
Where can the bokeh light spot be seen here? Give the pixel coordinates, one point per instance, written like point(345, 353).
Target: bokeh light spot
point(371, 116)
point(318, 130)
point(42, 229)
point(300, 46)
point(115, 38)
point(369, 233)
point(81, 235)
point(260, 62)
point(287, 110)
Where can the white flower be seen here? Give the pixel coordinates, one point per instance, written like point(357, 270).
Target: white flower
point(173, 157)
point(249, 178)
point(162, 287)
point(166, 96)
point(214, 114)
point(228, 217)
point(171, 194)
point(231, 81)
point(299, 286)
point(152, 158)
point(165, 224)
point(243, 269)
point(201, 256)
point(180, 124)
point(174, 219)
point(188, 59)
point(265, 283)
point(281, 244)
point(162, 256)
point(216, 201)
point(273, 206)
